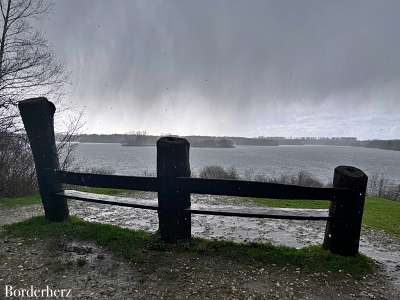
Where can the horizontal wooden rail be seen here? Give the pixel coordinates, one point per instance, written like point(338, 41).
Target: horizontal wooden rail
point(111, 200)
point(246, 212)
point(261, 212)
point(109, 181)
point(255, 189)
point(225, 187)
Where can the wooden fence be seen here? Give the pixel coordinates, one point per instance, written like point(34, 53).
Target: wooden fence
point(174, 186)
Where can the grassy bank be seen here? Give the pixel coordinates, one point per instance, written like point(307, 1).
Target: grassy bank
point(383, 214)
point(139, 246)
point(19, 201)
point(379, 213)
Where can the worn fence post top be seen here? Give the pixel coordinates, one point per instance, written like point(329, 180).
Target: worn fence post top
point(172, 140)
point(350, 171)
point(37, 102)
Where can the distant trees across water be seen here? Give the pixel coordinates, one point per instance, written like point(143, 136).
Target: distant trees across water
point(212, 143)
point(382, 144)
point(139, 139)
point(143, 139)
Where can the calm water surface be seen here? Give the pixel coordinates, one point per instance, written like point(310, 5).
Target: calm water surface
point(270, 161)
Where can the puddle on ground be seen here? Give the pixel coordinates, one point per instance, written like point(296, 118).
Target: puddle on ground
point(384, 249)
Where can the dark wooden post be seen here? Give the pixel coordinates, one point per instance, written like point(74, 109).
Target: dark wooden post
point(342, 234)
point(38, 117)
point(172, 162)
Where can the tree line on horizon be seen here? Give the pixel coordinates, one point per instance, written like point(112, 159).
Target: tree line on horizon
point(143, 139)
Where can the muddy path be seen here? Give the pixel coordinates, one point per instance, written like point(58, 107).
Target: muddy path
point(383, 248)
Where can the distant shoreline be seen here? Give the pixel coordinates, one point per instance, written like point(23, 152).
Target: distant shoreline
point(128, 145)
point(208, 147)
point(140, 140)
point(192, 146)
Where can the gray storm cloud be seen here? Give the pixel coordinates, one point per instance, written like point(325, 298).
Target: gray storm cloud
point(233, 67)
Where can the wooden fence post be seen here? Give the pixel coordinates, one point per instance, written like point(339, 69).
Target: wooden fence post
point(342, 233)
point(172, 162)
point(38, 117)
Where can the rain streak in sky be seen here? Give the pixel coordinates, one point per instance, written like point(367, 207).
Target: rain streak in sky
point(238, 68)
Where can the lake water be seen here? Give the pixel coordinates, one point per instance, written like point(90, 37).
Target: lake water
point(270, 161)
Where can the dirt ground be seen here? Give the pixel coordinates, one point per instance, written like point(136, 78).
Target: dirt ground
point(94, 273)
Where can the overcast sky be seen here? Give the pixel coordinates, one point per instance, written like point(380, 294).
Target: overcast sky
point(243, 68)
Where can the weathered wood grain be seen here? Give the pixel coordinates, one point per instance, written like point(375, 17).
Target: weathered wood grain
point(38, 118)
point(261, 212)
point(109, 181)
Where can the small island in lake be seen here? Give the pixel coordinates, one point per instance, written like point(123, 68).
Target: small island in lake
point(142, 139)
point(212, 143)
point(139, 139)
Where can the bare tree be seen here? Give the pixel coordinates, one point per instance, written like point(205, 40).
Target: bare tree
point(66, 145)
point(28, 67)
point(17, 171)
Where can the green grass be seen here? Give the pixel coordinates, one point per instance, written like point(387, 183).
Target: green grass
point(291, 203)
point(383, 214)
point(311, 259)
point(105, 191)
point(137, 245)
point(19, 201)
